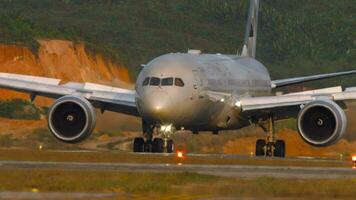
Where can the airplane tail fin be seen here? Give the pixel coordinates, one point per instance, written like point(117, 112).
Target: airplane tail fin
point(249, 46)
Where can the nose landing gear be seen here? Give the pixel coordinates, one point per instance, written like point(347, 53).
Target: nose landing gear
point(166, 132)
point(160, 145)
point(154, 145)
point(270, 147)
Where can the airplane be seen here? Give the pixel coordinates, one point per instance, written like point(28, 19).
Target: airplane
point(197, 92)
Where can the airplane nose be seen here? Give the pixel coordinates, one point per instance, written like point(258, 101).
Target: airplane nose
point(157, 104)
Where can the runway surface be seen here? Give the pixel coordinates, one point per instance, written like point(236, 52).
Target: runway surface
point(218, 170)
point(58, 195)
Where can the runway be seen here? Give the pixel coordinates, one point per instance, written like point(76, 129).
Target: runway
point(59, 195)
point(248, 171)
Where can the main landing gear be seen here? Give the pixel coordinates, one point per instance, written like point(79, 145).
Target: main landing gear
point(270, 147)
point(154, 145)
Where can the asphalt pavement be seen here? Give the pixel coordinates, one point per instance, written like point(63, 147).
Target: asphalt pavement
point(217, 170)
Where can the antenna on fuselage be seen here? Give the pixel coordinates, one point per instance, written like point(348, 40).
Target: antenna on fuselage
point(249, 46)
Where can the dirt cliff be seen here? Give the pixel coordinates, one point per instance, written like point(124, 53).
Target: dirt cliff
point(67, 61)
point(63, 60)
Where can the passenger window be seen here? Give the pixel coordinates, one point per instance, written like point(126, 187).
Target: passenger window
point(167, 81)
point(155, 81)
point(146, 81)
point(179, 82)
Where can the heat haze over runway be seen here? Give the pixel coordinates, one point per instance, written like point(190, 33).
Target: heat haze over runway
point(224, 165)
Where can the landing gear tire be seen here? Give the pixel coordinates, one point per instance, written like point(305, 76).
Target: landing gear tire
point(270, 149)
point(170, 146)
point(157, 145)
point(279, 148)
point(154, 145)
point(260, 147)
point(138, 144)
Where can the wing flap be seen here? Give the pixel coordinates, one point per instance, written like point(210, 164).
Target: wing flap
point(294, 99)
point(329, 90)
point(36, 88)
point(30, 79)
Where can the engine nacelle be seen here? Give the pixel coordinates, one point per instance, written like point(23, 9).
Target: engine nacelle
point(71, 118)
point(321, 122)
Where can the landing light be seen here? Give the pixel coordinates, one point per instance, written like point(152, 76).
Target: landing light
point(34, 190)
point(166, 128)
point(180, 154)
point(238, 103)
point(353, 158)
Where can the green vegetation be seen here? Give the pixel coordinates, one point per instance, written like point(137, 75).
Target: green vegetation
point(213, 143)
point(286, 124)
point(296, 37)
point(19, 109)
point(7, 140)
point(143, 185)
point(35, 138)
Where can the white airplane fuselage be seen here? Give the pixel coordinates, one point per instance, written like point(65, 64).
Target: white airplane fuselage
point(190, 106)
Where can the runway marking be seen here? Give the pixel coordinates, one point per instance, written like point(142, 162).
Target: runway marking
point(217, 170)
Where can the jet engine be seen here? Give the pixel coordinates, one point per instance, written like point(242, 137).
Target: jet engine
point(321, 122)
point(71, 118)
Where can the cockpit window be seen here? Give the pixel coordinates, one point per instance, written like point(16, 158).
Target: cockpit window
point(146, 81)
point(167, 81)
point(179, 82)
point(155, 81)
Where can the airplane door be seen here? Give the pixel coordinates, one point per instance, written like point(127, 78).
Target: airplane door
point(197, 82)
point(200, 115)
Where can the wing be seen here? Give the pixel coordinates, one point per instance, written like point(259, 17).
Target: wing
point(282, 106)
point(291, 81)
point(288, 105)
point(103, 97)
